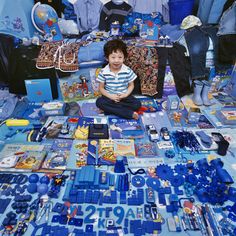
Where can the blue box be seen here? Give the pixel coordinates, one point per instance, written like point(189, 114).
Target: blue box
point(173, 102)
point(53, 108)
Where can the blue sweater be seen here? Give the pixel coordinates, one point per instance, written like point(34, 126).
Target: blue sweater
point(113, 12)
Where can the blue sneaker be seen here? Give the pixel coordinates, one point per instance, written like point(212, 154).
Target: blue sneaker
point(168, 43)
point(161, 42)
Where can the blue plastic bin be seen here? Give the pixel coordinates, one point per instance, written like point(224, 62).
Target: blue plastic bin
point(179, 9)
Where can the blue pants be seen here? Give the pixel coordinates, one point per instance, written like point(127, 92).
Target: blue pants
point(125, 108)
point(198, 43)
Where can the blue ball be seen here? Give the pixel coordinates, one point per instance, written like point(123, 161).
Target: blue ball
point(32, 188)
point(44, 180)
point(34, 178)
point(42, 189)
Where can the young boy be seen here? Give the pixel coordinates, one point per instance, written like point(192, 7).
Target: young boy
point(116, 83)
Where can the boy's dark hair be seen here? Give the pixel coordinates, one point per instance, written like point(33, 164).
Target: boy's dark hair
point(113, 46)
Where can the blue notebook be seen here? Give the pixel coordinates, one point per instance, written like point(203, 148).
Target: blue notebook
point(38, 90)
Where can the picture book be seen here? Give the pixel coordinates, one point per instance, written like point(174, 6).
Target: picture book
point(149, 104)
point(226, 116)
point(223, 98)
point(78, 86)
point(62, 145)
point(31, 147)
point(58, 155)
point(124, 147)
point(68, 128)
point(93, 78)
point(31, 160)
point(169, 83)
point(106, 151)
point(78, 154)
point(229, 115)
point(145, 149)
point(56, 160)
point(82, 129)
point(11, 153)
point(204, 123)
point(38, 90)
point(92, 157)
point(125, 129)
point(51, 128)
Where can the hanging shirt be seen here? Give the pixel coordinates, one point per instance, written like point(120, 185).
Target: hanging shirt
point(113, 12)
point(146, 6)
point(88, 12)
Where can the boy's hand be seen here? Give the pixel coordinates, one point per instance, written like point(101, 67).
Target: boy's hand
point(115, 97)
point(123, 95)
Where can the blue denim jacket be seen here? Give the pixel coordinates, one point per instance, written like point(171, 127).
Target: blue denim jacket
point(209, 11)
point(227, 24)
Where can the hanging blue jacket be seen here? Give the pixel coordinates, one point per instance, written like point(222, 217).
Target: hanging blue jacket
point(88, 14)
point(227, 24)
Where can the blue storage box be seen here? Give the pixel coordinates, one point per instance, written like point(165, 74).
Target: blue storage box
point(53, 108)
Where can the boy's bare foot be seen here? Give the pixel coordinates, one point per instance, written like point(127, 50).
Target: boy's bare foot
point(135, 116)
point(100, 111)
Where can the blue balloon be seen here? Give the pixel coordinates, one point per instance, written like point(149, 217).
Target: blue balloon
point(44, 180)
point(42, 189)
point(34, 178)
point(32, 188)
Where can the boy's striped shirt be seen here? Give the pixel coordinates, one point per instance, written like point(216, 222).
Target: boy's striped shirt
point(116, 83)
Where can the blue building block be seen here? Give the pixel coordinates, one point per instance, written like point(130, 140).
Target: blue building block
point(112, 180)
point(80, 196)
point(102, 233)
point(96, 178)
point(162, 199)
point(178, 191)
point(88, 196)
point(89, 228)
point(122, 197)
point(149, 227)
point(95, 197)
point(73, 196)
point(125, 230)
point(157, 226)
point(77, 178)
point(108, 210)
point(113, 197)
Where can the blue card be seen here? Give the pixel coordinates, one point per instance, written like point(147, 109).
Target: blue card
point(38, 90)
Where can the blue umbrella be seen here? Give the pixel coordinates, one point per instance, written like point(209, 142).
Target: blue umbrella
point(15, 18)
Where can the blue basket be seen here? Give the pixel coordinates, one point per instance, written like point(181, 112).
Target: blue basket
point(179, 9)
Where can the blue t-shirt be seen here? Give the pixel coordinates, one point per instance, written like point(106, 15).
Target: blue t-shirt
point(116, 83)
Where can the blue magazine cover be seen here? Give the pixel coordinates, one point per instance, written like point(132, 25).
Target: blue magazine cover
point(38, 90)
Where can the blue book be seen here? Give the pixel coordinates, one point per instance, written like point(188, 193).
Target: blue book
point(121, 128)
point(38, 90)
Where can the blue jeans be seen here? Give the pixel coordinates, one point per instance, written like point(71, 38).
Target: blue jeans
point(198, 43)
point(125, 108)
